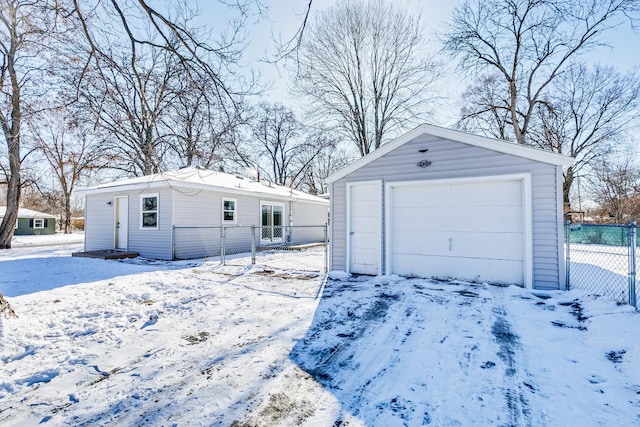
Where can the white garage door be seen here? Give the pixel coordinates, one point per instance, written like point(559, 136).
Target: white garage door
point(471, 230)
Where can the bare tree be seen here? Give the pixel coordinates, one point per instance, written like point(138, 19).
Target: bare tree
point(329, 160)
point(25, 67)
point(200, 125)
point(528, 44)
point(364, 69)
point(585, 116)
point(138, 55)
point(128, 101)
point(282, 143)
point(615, 187)
point(71, 150)
point(486, 108)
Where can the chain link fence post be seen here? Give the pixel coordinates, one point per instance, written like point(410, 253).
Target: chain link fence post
point(223, 233)
point(173, 243)
point(568, 255)
point(632, 265)
point(326, 249)
point(253, 245)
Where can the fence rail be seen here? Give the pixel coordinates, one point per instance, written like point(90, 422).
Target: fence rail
point(308, 242)
point(601, 258)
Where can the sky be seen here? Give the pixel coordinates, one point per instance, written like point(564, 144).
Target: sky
point(285, 16)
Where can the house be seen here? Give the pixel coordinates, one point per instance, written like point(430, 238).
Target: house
point(440, 203)
point(32, 222)
point(179, 214)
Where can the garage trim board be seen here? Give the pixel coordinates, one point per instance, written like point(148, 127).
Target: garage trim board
point(438, 238)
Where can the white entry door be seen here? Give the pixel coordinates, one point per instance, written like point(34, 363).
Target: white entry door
point(365, 226)
point(470, 230)
point(122, 222)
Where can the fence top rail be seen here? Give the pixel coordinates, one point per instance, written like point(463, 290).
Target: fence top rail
point(247, 226)
point(588, 224)
point(195, 226)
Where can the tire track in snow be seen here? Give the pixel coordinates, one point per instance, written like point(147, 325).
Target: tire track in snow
point(517, 405)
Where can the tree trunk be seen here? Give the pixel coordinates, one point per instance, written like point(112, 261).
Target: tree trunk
point(11, 130)
point(566, 189)
point(7, 227)
point(67, 213)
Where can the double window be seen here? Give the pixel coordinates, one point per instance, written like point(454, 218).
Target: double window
point(229, 213)
point(149, 211)
point(38, 223)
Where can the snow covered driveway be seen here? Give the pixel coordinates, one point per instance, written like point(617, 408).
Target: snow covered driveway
point(193, 343)
point(414, 352)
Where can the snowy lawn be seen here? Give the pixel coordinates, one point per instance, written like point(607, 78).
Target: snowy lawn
point(192, 343)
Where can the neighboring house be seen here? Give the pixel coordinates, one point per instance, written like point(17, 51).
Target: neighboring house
point(178, 214)
point(32, 222)
point(445, 204)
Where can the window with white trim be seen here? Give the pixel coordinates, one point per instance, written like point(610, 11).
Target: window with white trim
point(229, 210)
point(149, 211)
point(38, 223)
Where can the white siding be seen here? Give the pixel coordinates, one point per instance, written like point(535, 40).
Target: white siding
point(99, 227)
point(151, 243)
point(204, 209)
point(450, 159)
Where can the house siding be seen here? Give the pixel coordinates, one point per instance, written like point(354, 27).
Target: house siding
point(198, 217)
point(25, 228)
point(451, 159)
point(149, 243)
point(99, 225)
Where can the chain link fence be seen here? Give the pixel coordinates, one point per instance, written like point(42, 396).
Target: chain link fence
point(301, 248)
point(601, 259)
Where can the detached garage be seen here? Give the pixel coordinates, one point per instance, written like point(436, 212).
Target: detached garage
point(445, 204)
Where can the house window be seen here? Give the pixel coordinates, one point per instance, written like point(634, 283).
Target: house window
point(271, 218)
point(229, 210)
point(38, 223)
point(149, 211)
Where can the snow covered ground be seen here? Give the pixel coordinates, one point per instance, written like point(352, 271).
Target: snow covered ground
point(194, 343)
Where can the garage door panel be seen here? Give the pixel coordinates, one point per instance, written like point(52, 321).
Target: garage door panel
point(435, 218)
point(467, 194)
point(467, 230)
point(480, 245)
point(498, 271)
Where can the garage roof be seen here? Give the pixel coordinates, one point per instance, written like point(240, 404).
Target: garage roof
point(454, 135)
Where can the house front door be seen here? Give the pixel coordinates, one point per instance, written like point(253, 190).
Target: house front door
point(122, 222)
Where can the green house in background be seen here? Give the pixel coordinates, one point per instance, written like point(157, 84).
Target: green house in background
point(32, 222)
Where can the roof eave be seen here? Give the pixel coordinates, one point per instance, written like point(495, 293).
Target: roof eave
point(171, 183)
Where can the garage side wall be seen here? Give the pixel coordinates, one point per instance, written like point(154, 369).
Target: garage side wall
point(450, 159)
